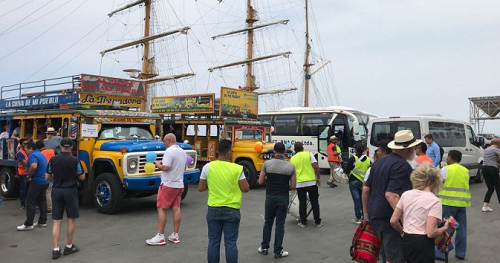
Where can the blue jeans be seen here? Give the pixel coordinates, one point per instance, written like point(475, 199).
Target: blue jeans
point(223, 220)
point(356, 189)
point(276, 206)
point(459, 213)
point(23, 188)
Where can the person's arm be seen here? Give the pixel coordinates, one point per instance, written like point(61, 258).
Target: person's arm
point(316, 171)
point(350, 165)
point(365, 198)
point(202, 184)
point(168, 161)
point(243, 183)
point(262, 175)
point(431, 227)
point(437, 153)
point(161, 166)
point(48, 172)
point(293, 182)
point(392, 198)
point(396, 220)
point(32, 169)
point(444, 173)
point(79, 171)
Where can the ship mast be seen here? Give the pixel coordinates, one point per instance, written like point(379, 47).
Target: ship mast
point(250, 20)
point(147, 74)
point(307, 66)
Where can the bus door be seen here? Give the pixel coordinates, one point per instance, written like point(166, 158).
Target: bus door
point(340, 128)
point(324, 132)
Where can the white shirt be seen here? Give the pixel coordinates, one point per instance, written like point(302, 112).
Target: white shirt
point(175, 158)
point(444, 173)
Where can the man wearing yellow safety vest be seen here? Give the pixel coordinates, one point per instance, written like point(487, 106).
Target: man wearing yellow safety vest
point(455, 197)
point(334, 158)
point(225, 182)
point(356, 167)
point(307, 170)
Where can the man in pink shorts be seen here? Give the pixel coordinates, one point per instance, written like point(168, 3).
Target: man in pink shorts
point(169, 193)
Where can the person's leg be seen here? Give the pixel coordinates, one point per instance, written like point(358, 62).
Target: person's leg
point(393, 244)
point(231, 230)
point(214, 234)
point(355, 188)
point(488, 174)
point(313, 193)
point(177, 218)
point(23, 181)
point(279, 231)
point(71, 230)
point(162, 219)
point(56, 232)
point(270, 214)
point(331, 180)
point(496, 183)
point(302, 195)
point(48, 197)
point(42, 203)
point(461, 233)
point(31, 199)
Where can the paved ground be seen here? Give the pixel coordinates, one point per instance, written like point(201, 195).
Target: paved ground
point(121, 237)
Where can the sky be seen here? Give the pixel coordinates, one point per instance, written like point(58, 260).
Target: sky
point(391, 58)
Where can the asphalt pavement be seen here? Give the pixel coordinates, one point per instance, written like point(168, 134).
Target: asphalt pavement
point(121, 237)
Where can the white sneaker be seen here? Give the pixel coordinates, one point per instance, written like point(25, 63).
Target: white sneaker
point(356, 221)
point(24, 228)
point(36, 224)
point(301, 225)
point(174, 238)
point(487, 209)
point(282, 254)
point(157, 240)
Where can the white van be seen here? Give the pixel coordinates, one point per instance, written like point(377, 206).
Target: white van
point(448, 133)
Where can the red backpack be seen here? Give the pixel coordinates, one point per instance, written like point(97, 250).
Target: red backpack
point(366, 245)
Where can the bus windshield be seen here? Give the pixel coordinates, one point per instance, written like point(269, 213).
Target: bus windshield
point(248, 134)
point(124, 132)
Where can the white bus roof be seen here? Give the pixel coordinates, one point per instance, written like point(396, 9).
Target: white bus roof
point(292, 110)
point(418, 117)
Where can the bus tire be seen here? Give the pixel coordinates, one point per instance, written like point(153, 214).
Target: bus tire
point(9, 182)
point(479, 175)
point(185, 192)
point(250, 172)
point(108, 194)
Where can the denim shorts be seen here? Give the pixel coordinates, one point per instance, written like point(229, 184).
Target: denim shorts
point(65, 199)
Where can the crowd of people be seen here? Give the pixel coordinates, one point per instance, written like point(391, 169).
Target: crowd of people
point(408, 204)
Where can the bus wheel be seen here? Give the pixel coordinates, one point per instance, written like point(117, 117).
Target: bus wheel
point(479, 175)
point(9, 182)
point(108, 197)
point(185, 192)
point(250, 172)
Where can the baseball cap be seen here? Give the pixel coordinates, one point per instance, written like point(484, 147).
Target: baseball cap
point(66, 142)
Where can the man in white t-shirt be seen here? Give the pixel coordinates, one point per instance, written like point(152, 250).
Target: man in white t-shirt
point(170, 191)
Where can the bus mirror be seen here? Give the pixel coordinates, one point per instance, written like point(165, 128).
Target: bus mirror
point(355, 127)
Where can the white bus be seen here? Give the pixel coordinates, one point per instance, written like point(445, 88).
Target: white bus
point(314, 125)
point(448, 133)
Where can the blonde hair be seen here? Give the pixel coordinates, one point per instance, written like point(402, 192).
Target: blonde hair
point(426, 176)
point(495, 141)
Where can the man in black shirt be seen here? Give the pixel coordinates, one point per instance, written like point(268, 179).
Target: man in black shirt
point(279, 176)
point(389, 179)
point(65, 170)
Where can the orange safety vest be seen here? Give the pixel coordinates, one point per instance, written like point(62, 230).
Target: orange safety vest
point(333, 155)
point(48, 153)
point(21, 167)
point(423, 158)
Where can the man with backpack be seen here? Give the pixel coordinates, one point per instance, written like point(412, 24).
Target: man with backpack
point(433, 150)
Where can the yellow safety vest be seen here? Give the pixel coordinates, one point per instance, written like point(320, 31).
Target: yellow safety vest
point(360, 168)
point(303, 167)
point(455, 190)
point(223, 184)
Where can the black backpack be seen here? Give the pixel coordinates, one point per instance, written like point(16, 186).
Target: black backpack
point(441, 151)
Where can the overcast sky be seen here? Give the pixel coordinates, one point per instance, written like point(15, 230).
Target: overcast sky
point(388, 57)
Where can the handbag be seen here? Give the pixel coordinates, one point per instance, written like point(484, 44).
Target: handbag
point(366, 245)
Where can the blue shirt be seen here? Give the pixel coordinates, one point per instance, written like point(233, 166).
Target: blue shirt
point(39, 176)
point(434, 153)
point(390, 173)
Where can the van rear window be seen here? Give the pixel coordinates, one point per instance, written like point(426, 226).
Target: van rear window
point(386, 130)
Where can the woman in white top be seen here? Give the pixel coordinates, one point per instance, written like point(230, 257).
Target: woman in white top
point(417, 214)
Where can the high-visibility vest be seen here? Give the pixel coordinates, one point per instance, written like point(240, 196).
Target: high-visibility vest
point(21, 167)
point(455, 190)
point(303, 167)
point(360, 167)
point(331, 153)
point(423, 158)
point(223, 184)
point(48, 153)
